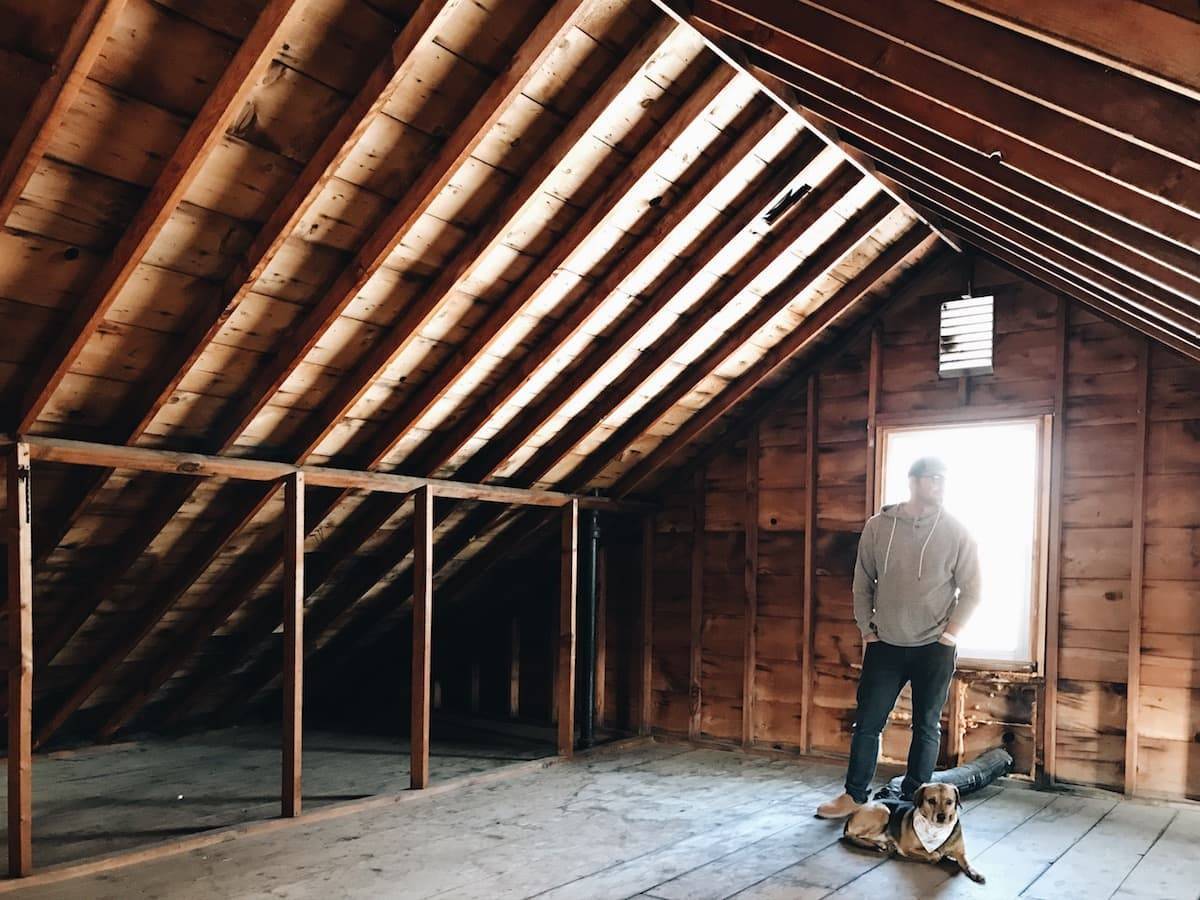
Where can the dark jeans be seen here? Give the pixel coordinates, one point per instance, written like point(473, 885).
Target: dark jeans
point(886, 669)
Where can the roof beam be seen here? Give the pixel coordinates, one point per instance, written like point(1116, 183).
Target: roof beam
point(399, 221)
point(1141, 187)
point(206, 130)
point(1128, 35)
point(783, 234)
point(88, 33)
point(855, 115)
point(915, 242)
point(1122, 106)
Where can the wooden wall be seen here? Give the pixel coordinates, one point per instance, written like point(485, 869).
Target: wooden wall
point(730, 646)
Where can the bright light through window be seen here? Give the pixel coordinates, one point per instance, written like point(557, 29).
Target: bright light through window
point(992, 488)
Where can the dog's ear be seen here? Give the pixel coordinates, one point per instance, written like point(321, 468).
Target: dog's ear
point(957, 797)
point(919, 797)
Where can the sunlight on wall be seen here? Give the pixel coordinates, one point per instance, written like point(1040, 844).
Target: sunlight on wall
point(991, 487)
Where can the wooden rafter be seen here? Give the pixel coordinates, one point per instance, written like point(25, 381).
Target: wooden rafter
point(368, 524)
point(206, 130)
point(1128, 35)
point(916, 241)
point(841, 58)
point(1123, 106)
point(867, 121)
point(467, 136)
point(88, 33)
point(761, 195)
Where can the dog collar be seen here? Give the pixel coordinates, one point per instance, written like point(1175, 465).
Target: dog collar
point(930, 834)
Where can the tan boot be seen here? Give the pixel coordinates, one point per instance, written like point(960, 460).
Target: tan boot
point(838, 808)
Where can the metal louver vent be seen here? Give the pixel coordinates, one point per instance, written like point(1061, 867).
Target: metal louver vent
point(966, 337)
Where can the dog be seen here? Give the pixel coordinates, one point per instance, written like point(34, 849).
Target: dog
point(898, 827)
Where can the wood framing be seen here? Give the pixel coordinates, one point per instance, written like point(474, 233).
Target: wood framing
point(1137, 568)
point(874, 374)
point(811, 436)
point(601, 652)
point(696, 609)
point(19, 609)
point(181, 170)
point(750, 575)
point(79, 51)
point(514, 668)
point(564, 689)
point(645, 708)
point(422, 635)
point(293, 642)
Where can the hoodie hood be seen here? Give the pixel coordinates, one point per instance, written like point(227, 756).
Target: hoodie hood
point(898, 513)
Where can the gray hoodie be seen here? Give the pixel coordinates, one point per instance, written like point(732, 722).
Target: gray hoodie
point(914, 576)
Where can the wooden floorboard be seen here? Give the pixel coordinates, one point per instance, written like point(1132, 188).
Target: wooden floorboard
point(661, 821)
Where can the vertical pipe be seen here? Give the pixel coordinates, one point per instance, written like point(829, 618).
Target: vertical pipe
point(20, 673)
point(587, 632)
point(568, 597)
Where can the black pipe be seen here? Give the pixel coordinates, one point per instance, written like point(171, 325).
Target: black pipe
point(587, 650)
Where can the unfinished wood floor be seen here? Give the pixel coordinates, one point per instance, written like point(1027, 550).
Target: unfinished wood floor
point(666, 821)
point(90, 802)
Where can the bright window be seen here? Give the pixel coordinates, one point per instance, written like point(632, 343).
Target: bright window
point(993, 487)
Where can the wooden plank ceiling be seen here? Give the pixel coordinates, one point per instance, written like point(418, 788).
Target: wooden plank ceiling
point(541, 244)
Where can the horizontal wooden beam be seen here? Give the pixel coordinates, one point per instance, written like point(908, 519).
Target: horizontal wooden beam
point(145, 459)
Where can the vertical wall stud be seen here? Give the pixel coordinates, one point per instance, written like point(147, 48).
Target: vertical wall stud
point(569, 590)
point(20, 672)
point(422, 621)
point(293, 641)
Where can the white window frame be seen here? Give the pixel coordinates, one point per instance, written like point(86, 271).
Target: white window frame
point(885, 426)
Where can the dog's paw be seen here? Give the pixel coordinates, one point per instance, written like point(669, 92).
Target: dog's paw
point(976, 877)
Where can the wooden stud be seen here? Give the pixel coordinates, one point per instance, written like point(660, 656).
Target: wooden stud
point(956, 721)
point(83, 43)
point(568, 595)
point(1054, 563)
point(19, 515)
point(514, 669)
point(811, 436)
point(696, 607)
point(475, 686)
point(293, 641)
point(1137, 572)
point(422, 635)
point(227, 99)
point(874, 377)
point(750, 650)
point(868, 125)
point(645, 715)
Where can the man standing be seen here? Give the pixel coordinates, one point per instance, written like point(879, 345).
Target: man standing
point(916, 584)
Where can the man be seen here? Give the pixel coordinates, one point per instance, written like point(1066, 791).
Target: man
point(916, 584)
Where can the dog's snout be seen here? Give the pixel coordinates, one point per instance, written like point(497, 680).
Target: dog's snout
point(941, 817)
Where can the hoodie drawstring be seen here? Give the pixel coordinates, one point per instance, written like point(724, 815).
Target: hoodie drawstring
point(888, 555)
point(921, 560)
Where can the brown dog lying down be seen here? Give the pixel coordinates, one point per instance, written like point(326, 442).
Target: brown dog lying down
point(927, 830)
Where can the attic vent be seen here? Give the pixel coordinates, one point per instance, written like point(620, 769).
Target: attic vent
point(784, 203)
point(966, 337)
